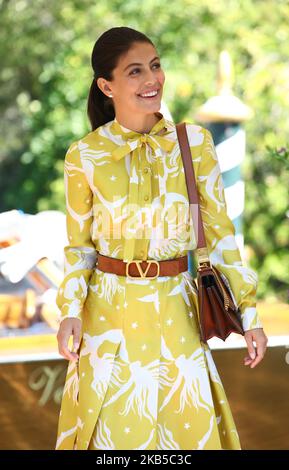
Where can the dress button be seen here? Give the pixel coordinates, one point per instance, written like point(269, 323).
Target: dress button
point(146, 170)
point(146, 197)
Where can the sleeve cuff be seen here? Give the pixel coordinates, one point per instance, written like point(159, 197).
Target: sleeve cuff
point(250, 319)
point(71, 309)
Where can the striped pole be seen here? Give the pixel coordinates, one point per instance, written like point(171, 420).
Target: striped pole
point(229, 139)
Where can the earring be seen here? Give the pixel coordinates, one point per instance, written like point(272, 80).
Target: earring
point(110, 96)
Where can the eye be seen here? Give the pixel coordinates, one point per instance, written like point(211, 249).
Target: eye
point(131, 73)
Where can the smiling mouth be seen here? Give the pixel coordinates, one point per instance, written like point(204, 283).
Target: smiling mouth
point(150, 97)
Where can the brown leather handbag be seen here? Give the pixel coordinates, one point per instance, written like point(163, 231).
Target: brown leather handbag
point(219, 314)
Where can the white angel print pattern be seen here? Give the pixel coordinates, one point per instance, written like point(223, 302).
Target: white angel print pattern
point(144, 378)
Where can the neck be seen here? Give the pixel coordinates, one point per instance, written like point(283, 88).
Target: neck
point(141, 124)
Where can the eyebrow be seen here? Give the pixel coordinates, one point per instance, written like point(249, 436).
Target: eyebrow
point(137, 63)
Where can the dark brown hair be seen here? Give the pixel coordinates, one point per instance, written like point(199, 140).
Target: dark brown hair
point(105, 55)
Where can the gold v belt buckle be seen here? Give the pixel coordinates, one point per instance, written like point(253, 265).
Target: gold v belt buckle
point(141, 272)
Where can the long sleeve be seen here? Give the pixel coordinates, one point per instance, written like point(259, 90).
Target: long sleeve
point(80, 253)
point(220, 235)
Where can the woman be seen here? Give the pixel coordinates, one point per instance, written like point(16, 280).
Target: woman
point(139, 376)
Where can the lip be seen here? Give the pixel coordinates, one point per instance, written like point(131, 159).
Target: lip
point(149, 91)
point(143, 93)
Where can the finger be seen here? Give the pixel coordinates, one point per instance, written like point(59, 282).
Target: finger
point(248, 360)
point(257, 360)
point(261, 347)
point(76, 338)
point(63, 336)
point(67, 354)
point(250, 346)
point(63, 345)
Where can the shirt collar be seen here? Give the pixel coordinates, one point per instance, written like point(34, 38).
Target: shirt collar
point(132, 139)
point(129, 133)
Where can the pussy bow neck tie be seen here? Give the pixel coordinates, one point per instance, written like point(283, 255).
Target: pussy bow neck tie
point(156, 142)
point(136, 143)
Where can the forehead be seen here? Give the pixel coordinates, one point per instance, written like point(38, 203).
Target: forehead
point(139, 52)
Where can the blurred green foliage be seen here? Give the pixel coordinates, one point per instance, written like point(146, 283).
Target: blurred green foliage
point(45, 77)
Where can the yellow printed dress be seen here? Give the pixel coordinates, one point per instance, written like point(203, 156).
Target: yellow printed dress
point(144, 379)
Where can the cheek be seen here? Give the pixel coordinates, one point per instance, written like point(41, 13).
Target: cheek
point(161, 77)
point(133, 87)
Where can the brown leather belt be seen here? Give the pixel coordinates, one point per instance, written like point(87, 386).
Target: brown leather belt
point(149, 269)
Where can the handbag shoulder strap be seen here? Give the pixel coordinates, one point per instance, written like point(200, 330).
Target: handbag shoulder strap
point(201, 250)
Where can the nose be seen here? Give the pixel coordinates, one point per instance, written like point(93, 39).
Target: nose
point(151, 78)
point(152, 84)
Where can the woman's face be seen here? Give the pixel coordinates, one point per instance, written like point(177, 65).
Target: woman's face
point(129, 81)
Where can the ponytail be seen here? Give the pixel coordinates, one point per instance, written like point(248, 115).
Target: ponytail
point(100, 107)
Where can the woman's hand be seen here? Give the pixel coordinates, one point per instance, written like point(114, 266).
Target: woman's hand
point(261, 340)
point(68, 327)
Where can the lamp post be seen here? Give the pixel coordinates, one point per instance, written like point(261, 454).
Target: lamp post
point(223, 115)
